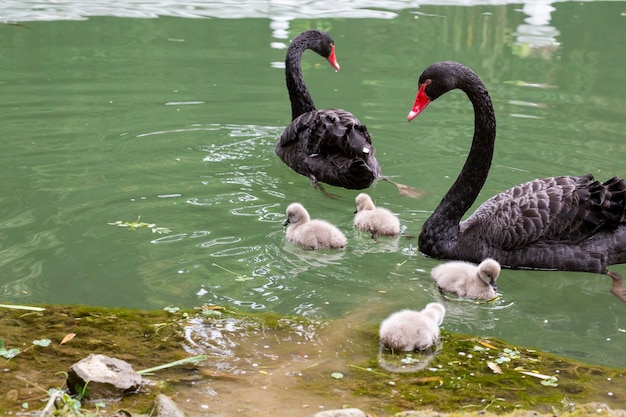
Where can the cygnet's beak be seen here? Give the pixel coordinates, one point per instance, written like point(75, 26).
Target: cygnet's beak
point(286, 222)
point(494, 286)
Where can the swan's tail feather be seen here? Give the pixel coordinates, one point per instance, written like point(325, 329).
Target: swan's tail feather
point(607, 203)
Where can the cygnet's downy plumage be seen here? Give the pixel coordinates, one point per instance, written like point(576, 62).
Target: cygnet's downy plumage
point(311, 234)
point(408, 330)
point(375, 220)
point(468, 280)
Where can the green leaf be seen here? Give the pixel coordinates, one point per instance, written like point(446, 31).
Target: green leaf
point(336, 375)
point(552, 382)
point(10, 353)
point(171, 309)
point(42, 342)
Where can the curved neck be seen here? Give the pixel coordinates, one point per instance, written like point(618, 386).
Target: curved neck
point(470, 181)
point(301, 101)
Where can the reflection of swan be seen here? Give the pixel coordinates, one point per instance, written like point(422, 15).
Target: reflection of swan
point(408, 330)
point(564, 223)
point(311, 234)
point(374, 220)
point(365, 247)
point(303, 260)
point(468, 280)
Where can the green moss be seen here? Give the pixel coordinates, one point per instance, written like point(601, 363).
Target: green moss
point(460, 375)
point(476, 374)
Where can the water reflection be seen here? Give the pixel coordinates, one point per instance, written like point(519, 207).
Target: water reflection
point(235, 345)
point(536, 31)
point(403, 362)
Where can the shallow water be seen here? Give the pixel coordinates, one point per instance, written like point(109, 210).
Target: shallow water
point(110, 113)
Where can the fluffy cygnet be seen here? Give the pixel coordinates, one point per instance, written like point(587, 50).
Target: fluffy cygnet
point(468, 280)
point(311, 234)
point(375, 220)
point(408, 330)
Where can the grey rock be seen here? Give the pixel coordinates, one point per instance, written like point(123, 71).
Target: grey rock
point(165, 407)
point(106, 378)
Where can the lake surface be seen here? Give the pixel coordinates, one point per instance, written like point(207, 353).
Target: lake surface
point(169, 113)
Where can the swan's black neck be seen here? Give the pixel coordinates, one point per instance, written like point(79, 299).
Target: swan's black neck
point(443, 226)
point(301, 101)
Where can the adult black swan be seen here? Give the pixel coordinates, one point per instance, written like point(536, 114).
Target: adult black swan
point(561, 223)
point(329, 145)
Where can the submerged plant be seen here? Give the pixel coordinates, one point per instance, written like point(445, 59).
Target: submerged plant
point(8, 353)
point(137, 224)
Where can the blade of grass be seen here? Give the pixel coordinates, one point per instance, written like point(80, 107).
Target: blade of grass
point(19, 307)
point(172, 364)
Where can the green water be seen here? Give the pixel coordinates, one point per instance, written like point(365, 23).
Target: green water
point(174, 119)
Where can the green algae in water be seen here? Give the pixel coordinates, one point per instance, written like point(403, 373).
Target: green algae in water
point(473, 374)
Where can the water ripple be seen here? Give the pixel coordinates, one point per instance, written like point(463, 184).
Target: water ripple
point(226, 240)
point(260, 211)
point(244, 250)
point(181, 236)
point(12, 220)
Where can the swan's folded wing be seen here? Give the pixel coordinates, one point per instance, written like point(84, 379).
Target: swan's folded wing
point(295, 133)
point(320, 129)
point(558, 209)
point(332, 146)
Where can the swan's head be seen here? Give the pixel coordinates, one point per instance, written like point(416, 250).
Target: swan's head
point(436, 80)
point(322, 44)
point(364, 202)
point(296, 213)
point(488, 272)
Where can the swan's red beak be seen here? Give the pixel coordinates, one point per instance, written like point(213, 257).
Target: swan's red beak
point(332, 59)
point(421, 101)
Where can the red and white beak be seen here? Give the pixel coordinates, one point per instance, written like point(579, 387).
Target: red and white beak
point(332, 59)
point(421, 101)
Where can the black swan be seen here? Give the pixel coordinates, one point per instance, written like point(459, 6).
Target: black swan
point(329, 145)
point(562, 223)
